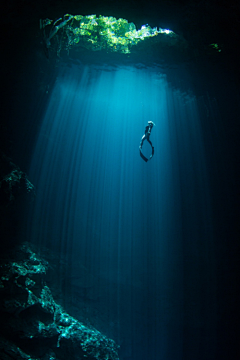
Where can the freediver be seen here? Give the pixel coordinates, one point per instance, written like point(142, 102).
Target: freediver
point(146, 136)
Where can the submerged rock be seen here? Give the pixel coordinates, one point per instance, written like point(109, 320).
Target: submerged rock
point(33, 325)
point(16, 192)
point(13, 181)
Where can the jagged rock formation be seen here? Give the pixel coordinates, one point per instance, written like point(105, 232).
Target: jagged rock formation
point(13, 181)
point(15, 191)
point(33, 325)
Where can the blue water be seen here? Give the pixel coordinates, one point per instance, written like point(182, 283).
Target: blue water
point(136, 236)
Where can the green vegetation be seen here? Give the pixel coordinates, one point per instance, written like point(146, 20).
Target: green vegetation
point(215, 47)
point(97, 33)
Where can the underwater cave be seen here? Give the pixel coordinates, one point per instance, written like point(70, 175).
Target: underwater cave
point(105, 255)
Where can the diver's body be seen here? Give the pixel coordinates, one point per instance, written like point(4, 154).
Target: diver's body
point(146, 136)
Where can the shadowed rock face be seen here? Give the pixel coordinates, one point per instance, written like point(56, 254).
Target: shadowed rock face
point(15, 190)
point(33, 324)
point(13, 181)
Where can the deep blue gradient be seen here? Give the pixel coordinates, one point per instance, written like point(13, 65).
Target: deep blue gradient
point(137, 237)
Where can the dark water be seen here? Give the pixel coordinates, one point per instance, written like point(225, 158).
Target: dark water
point(140, 240)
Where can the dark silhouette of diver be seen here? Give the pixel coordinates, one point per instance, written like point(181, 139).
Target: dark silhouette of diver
point(146, 136)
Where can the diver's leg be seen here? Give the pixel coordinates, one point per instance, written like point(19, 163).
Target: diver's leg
point(141, 143)
point(149, 142)
point(152, 148)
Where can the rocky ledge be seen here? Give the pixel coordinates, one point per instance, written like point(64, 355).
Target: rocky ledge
point(33, 325)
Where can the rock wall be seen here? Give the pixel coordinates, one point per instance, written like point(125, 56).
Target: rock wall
point(33, 325)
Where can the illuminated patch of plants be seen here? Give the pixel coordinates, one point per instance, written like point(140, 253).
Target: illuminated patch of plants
point(97, 33)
